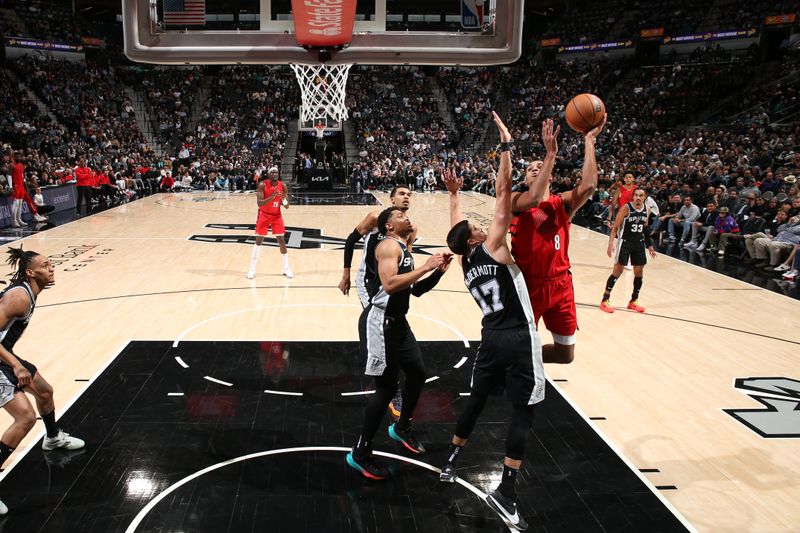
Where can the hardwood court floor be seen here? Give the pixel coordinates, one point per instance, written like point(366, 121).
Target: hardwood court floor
point(656, 383)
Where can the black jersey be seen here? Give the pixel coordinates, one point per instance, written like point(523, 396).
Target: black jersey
point(12, 331)
point(633, 226)
point(499, 290)
point(395, 304)
point(367, 277)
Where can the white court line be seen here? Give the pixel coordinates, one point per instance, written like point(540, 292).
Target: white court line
point(464, 393)
point(181, 362)
point(461, 363)
point(434, 378)
point(185, 332)
point(215, 380)
point(63, 410)
point(283, 393)
point(358, 393)
point(155, 501)
point(174, 394)
point(625, 460)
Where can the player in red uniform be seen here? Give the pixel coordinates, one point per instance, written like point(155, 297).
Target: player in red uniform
point(20, 193)
point(271, 196)
point(622, 194)
point(540, 242)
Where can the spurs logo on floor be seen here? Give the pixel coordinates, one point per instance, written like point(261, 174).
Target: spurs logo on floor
point(780, 416)
point(302, 238)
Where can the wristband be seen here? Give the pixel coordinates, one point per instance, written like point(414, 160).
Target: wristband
point(505, 147)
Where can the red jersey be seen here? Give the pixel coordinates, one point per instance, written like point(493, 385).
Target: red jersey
point(84, 177)
point(540, 239)
point(273, 207)
point(625, 195)
point(18, 175)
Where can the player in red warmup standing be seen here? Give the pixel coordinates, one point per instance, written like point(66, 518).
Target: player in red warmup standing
point(20, 193)
point(540, 241)
point(271, 196)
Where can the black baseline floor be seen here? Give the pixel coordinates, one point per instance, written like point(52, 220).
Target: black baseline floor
point(158, 415)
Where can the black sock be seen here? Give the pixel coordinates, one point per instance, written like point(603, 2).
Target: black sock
point(5, 452)
point(506, 487)
point(609, 287)
point(452, 455)
point(362, 448)
point(50, 424)
point(637, 286)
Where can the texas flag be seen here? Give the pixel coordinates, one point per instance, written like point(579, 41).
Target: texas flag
point(184, 12)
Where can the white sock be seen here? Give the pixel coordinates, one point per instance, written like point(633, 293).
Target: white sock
point(254, 257)
point(18, 211)
point(285, 258)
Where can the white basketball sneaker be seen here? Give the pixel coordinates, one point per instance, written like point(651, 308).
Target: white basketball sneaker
point(3, 509)
point(63, 440)
point(251, 274)
point(287, 271)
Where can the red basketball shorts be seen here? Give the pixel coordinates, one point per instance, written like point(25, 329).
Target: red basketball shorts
point(553, 300)
point(270, 222)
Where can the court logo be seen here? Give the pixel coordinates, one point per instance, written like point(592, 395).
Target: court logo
point(297, 238)
point(780, 416)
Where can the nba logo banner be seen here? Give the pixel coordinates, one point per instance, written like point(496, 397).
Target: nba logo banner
point(471, 14)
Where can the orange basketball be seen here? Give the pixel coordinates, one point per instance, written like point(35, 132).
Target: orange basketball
point(584, 112)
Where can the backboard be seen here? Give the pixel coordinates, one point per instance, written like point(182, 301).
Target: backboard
point(269, 36)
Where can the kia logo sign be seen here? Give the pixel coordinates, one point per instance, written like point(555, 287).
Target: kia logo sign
point(319, 178)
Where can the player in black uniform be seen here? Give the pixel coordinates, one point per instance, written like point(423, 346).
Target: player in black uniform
point(33, 273)
point(400, 197)
point(390, 343)
point(631, 224)
point(367, 274)
point(510, 353)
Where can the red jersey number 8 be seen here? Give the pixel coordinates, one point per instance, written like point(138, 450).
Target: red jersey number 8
point(557, 242)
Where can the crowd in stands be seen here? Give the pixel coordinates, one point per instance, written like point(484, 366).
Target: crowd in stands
point(169, 93)
point(399, 131)
point(53, 21)
point(90, 101)
point(244, 124)
point(584, 22)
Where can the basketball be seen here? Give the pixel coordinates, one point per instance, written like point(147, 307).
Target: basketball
point(584, 112)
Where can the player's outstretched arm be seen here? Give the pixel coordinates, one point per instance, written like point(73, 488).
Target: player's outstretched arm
point(623, 212)
point(537, 187)
point(496, 236)
point(388, 254)
point(453, 183)
point(578, 196)
point(364, 227)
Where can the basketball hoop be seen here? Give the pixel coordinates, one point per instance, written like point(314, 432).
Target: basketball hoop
point(323, 92)
point(320, 130)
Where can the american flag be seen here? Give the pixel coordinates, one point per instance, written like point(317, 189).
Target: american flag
point(183, 12)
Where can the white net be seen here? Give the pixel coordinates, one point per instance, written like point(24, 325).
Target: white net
point(323, 91)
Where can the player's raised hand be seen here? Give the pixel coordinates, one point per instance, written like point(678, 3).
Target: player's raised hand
point(452, 181)
point(505, 136)
point(550, 136)
point(435, 261)
point(448, 258)
point(593, 133)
